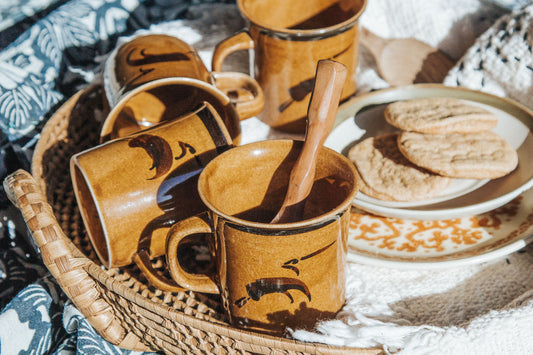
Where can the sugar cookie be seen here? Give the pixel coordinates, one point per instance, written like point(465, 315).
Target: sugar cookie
point(439, 115)
point(387, 175)
point(482, 155)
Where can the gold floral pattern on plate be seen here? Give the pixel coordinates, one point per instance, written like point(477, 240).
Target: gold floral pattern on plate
point(386, 240)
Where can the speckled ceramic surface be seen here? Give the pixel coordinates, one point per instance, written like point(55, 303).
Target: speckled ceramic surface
point(154, 78)
point(131, 190)
point(288, 38)
point(271, 275)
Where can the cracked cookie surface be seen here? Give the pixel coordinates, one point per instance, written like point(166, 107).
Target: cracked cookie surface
point(439, 115)
point(481, 155)
point(387, 175)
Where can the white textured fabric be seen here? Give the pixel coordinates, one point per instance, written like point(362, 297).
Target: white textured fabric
point(477, 309)
point(451, 25)
point(467, 310)
point(501, 60)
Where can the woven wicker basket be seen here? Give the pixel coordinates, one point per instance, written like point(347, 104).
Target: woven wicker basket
point(119, 303)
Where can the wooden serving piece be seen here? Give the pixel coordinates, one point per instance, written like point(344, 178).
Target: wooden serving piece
point(404, 61)
point(329, 80)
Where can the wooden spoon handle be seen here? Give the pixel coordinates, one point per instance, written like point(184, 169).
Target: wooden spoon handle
point(329, 81)
point(322, 110)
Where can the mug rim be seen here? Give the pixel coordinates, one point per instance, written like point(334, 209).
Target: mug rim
point(287, 33)
point(338, 210)
point(80, 180)
point(107, 126)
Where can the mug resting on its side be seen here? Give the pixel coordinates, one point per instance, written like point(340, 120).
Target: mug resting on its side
point(288, 38)
point(139, 94)
point(131, 190)
point(271, 276)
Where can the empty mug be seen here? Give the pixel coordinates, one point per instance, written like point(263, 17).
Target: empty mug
point(131, 190)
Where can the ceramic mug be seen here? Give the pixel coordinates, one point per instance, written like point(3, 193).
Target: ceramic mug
point(271, 276)
point(288, 39)
point(131, 190)
point(156, 77)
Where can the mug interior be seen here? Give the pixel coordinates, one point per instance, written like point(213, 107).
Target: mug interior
point(300, 14)
point(91, 215)
point(249, 183)
point(164, 100)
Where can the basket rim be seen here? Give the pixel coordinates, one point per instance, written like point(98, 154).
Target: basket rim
point(255, 339)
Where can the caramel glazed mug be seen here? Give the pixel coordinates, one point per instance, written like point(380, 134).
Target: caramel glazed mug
point(270, 276)
point(287, 39)
point(153, 78)
point(131, 190)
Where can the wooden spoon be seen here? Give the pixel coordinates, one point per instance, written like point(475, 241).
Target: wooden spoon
point(403, 61)
point(329, 80)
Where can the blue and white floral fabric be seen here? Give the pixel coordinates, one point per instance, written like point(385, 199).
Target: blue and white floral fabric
point(13, 12)
point(49, 49)
point(40, 320)
point(30, 66)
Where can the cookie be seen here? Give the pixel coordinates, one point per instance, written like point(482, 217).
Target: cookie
point(387, 175)
point(482, 155)
point(439, 115)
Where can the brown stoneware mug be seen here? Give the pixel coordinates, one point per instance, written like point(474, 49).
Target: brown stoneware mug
point(157, 77)
point(131, 190)
point(288, 38)
point(270, 276)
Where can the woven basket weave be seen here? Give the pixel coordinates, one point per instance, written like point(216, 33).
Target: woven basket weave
point(119, 303)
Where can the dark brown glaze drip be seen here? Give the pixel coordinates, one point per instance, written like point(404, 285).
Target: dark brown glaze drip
point(290, 264)
point(261, 287)
point(146, 59)
point(159, 151)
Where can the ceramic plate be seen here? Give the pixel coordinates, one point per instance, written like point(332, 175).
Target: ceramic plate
point(362, 117)
point(423, 245)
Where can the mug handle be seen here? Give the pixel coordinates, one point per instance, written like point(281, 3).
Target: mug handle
point(243, 91)
point(142, 260)
point(238, 42)
point(250, 100)
point(180, 230)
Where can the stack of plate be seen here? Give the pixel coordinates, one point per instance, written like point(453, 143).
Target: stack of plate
point(470, 221)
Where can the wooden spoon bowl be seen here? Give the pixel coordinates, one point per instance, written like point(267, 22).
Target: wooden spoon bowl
point(404, 61)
